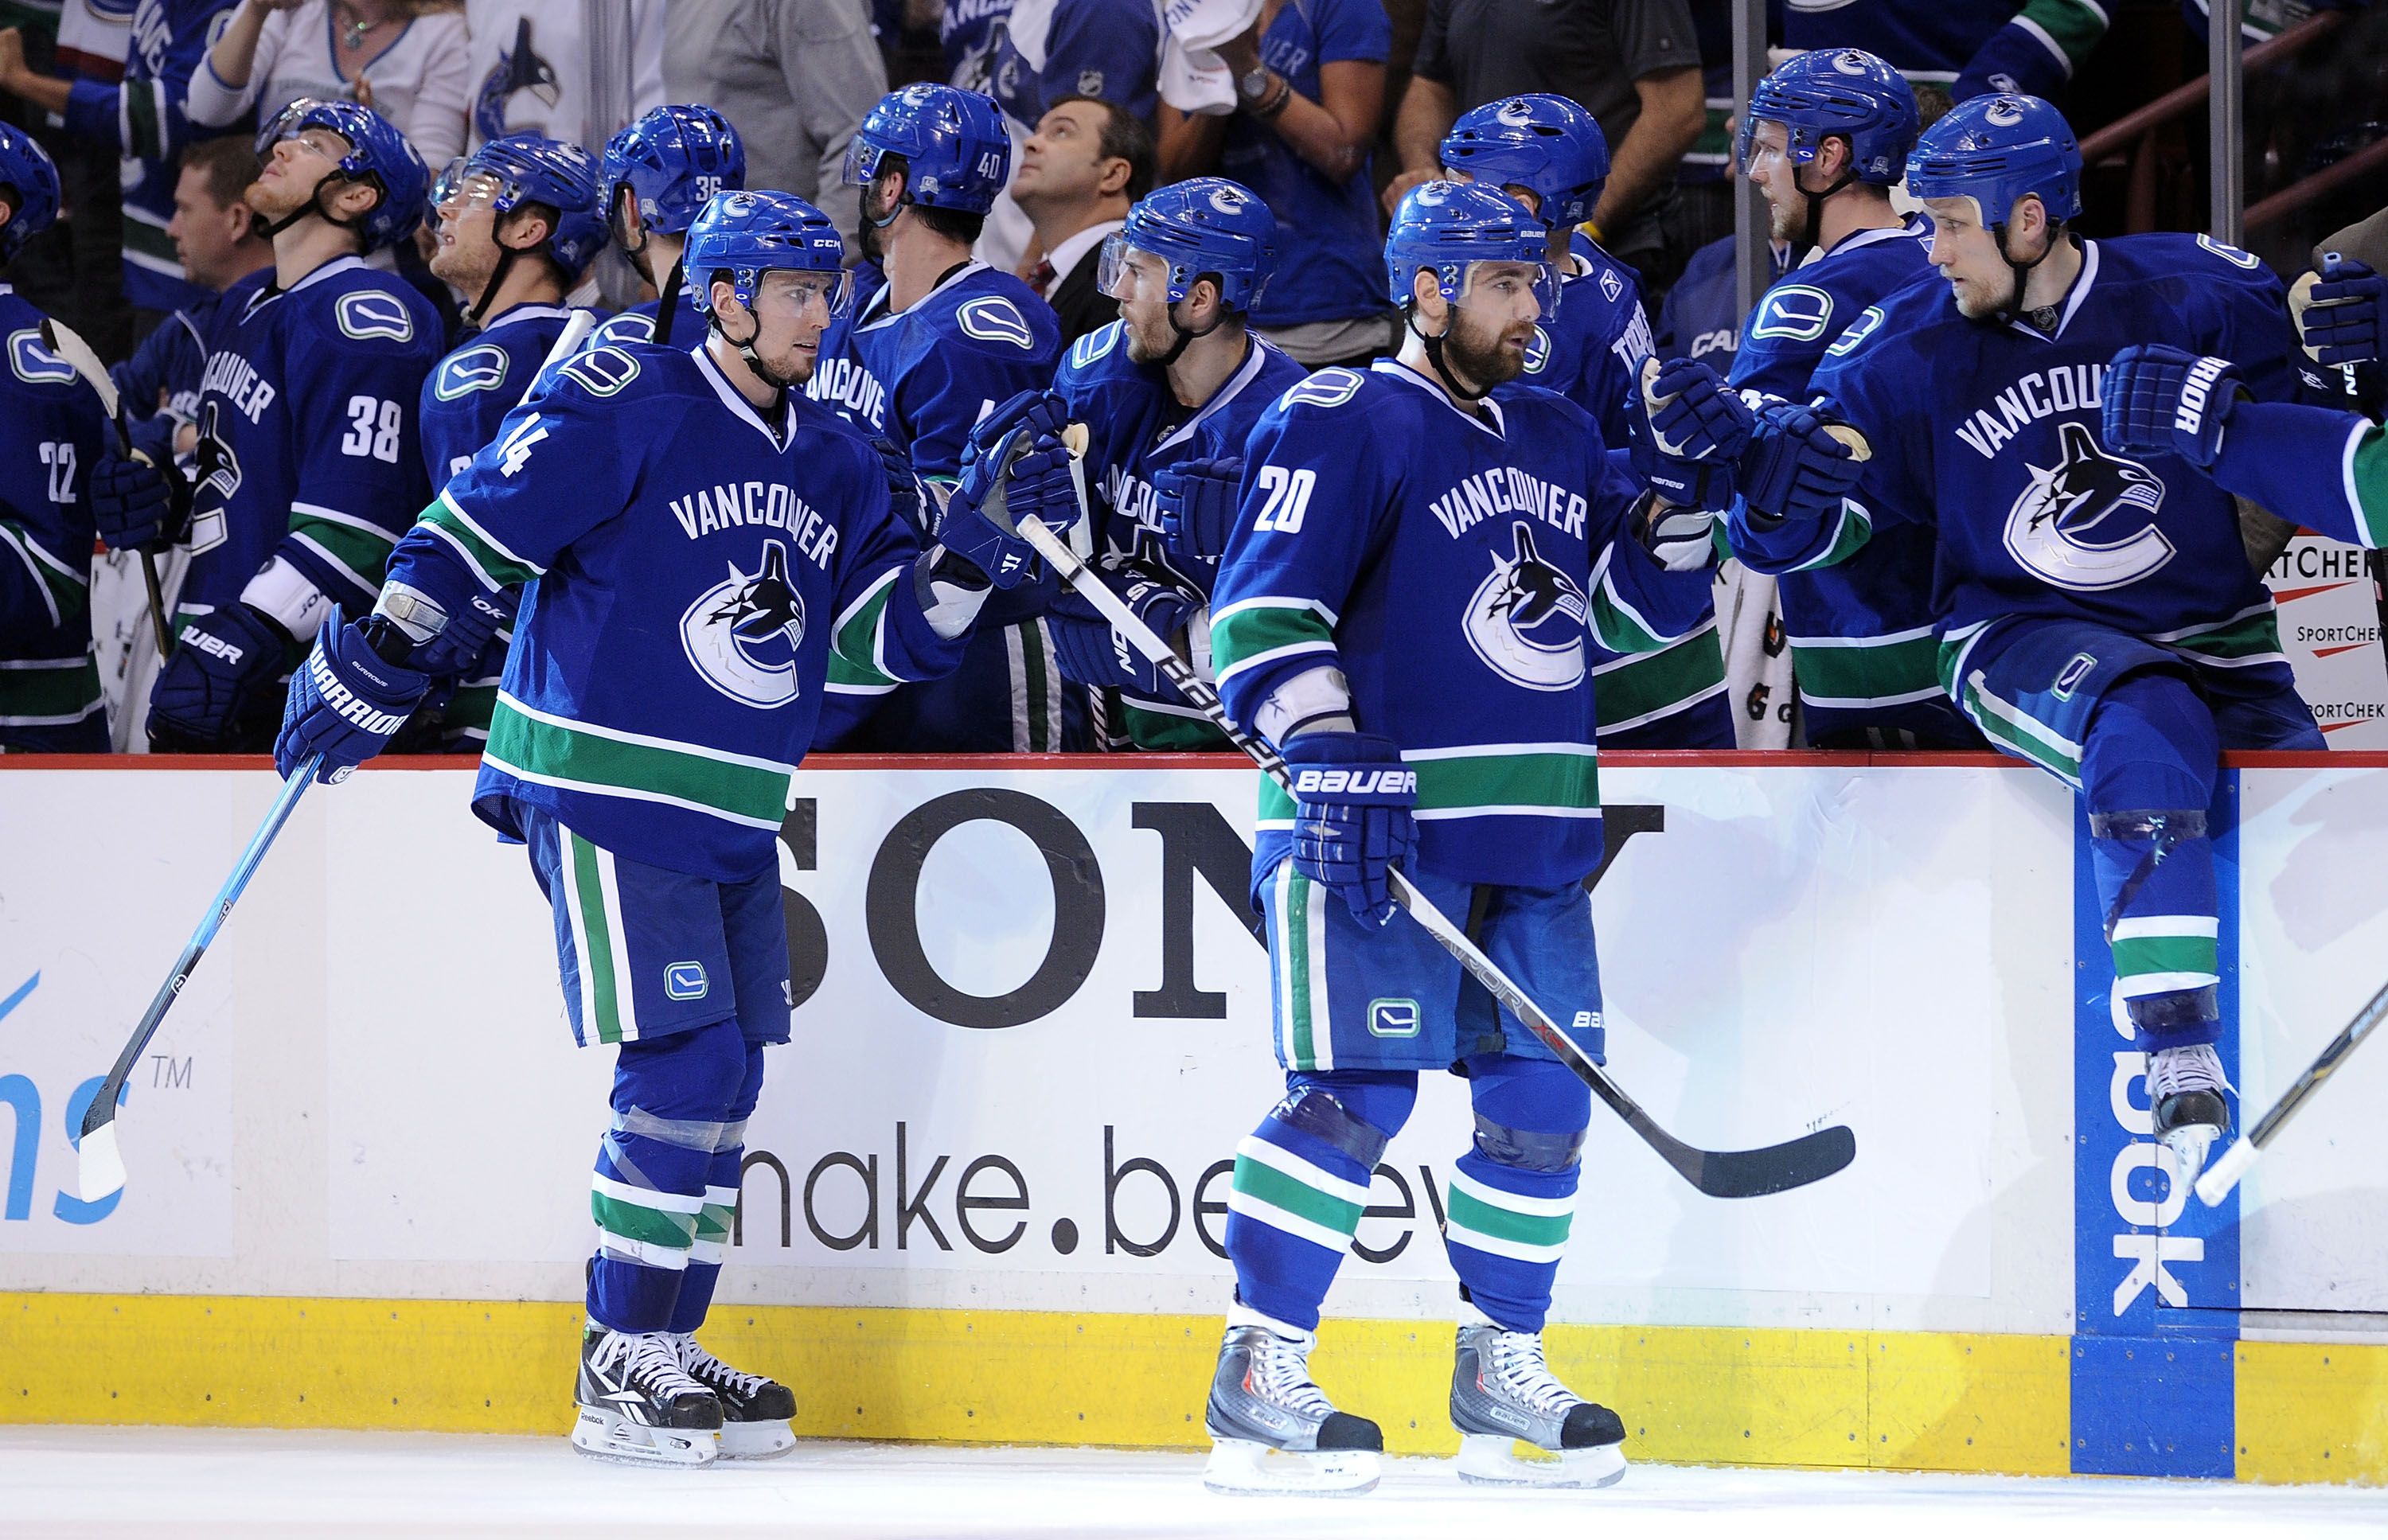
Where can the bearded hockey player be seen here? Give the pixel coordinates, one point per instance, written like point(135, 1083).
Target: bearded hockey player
point(696, 540)
point(309, 462)
point(1826, 137)
point(2099, 617)
point(1548, 153)
point(917, 364)
point(50, 436)
point(1169, 392)
point(1403, 612)
point(655, 178)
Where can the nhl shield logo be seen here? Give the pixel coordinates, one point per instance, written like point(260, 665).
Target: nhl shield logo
point(2085, 489)
point(1527, 619)
point(742, 634)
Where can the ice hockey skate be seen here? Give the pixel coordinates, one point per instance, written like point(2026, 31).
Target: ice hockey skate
point(2185, 1092)
point(1272, 1429)
point(1503, 1394)
point(755, 1410)
point(638, 1404)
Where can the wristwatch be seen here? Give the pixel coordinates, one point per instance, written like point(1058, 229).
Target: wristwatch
point(1252, 85)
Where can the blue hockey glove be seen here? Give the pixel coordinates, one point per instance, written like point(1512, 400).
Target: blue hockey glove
point(1353, 821)
point(1683, 539)
point(1014, 467)
point(2345, 314)
point(1090, 652)
point(1794, 468)
point(136, 505)
point(1696, 427)
point(1195, 501)
point(346, 702)
point(904, 494)
point(222, 675)
point(2162, 400)
point(457, 650)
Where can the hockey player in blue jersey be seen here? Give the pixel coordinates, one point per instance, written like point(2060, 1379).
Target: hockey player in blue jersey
point(1169, 392)
point(655, 178)
point(307, 465)
point(1417, 566)
point(697, 540)
point(916, 364)
point(2098, 614)
point(50, 436)
point(1548, 153)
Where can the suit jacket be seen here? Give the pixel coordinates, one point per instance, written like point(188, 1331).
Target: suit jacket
point(1081, 306)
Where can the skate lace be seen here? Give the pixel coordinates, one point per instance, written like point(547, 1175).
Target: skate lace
point(1281, 1374)
point(2197, 1068)
point(1519, 1369)
point(712, 1371)
point(651, 1363)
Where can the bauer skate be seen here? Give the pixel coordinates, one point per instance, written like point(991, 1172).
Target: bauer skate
point(2185, 1093)
point(755, 1410)
point(637, 1403)
point(1272, 1429)
point(1502, 1394)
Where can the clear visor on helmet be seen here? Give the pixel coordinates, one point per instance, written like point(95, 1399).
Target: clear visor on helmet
point(802, 289)
point(1782, 141)
point(1120, 266)
point(1511, 291)
point(861, 163)
point(286, 124)
point(467, 190)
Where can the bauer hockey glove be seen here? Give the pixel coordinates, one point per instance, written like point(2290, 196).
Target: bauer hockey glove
point(2162, 400)
point(1090, 652)
point(1196, 501)
point(346, 702)
point(136, 505)
point(1353, 818)
point(1014, 467)
point(1695, 428)
point(216, 693)
point(2345, 313)
point(1795, 468)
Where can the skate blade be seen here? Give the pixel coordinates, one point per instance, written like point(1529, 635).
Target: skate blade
point(1492, 1459)
point(626, 1443)
point(2189, 1144)
point(1242, 1466)
point(755, 1440)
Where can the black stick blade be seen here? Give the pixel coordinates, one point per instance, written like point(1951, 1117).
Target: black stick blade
point(1776, 1168)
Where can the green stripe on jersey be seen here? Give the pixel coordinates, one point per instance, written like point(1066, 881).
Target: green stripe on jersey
point(498, 564)
point(655, 1227)
point(1867, 669)
point(855, 643)
point(2076, 27)
point(1467, 1211)
point(1615, 625)
point(1165, 732)
point(2253, 635)
point(355, 548)
point(48, 694)
point(1650, 686)
point(584, 760)
point(2167, 954)
point(1297, 1197)
point(2369, 473)
point(1258, 629)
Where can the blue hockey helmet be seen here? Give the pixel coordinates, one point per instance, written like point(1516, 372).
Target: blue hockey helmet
point(1548, 145)
point(1998, 150)
point(1444, 227)
point(531, 168)
point(674, 160)
point(30, 182)
point(377, 154)
point(1839, 92)
point(1206, 227)
point(956, 152)
point(748, 235)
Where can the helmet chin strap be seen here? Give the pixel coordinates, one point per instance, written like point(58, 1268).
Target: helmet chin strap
point(753, 360)
point(1434, 357)
point(315, 204)
point(668, 306)
point(2022, 271)
point(1812, 233)
point(1185, 338)
point(506, 255)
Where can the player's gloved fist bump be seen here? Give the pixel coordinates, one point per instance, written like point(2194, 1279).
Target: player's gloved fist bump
point(1794, 467)
point(1354, 816)
point(1196, 501)
point(224, 664)
point(135, 504)
point(2163, 400)
point(1684, 539)
point(1090, 652)
point(2346, 313)
point(1694, 415)
point(346, 702)
point(465, 638)
point(1024, 473)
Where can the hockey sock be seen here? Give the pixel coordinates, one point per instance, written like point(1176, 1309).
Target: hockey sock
point(1301, 1183)
point(721, 1183)
point(1512, 1197)
point(669, 1095)
point(2147, 770)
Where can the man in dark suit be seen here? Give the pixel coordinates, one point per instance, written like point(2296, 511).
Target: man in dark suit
point(1087, 161)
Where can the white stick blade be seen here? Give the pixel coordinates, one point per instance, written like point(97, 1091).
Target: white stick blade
point(99, 1167)
point(2224, 1174)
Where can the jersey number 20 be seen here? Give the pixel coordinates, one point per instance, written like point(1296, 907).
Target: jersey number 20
point(373, 429)
point(1289, 499)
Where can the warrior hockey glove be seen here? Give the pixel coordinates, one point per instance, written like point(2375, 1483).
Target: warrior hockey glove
point(1353, 821)
point(1090, 652)
point(2162, 400)
point(1794, 468)
point(346, 702)
point(1696, 427)
point(1195, 501)
point(136, 505)
point(1014, 467)
point(2345, 314)
point(217, 691)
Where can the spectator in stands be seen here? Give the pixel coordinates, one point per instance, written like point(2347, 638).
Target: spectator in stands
point(404, 59)
point(794, 77)
point(1087, 161)
point(73, 270)
point(573, 69)
point(967, 30)
point(1634, 63)
point(1310, 97)
point(1966, 48)
point(1107, 49)
point(143, 118)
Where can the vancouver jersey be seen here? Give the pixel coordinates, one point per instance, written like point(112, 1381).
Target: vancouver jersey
point(1450, 565)
point(637, 324)
point(1135, 427)
point(1971, 46)
point(1988, 434)
point(689, 570)
point(307, 445)
point(1860, 632)
point(159, 383)
point(480, 381)
point(50, 434)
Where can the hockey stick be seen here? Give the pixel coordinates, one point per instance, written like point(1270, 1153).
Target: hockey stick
point(99, 1165)
point(2224, 1174)
point(1718, 1173)
point(62, 340)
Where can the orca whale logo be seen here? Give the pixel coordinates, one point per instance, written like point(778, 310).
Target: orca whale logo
point(743, 634)
point(1527, 619)
point(2085, 489)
